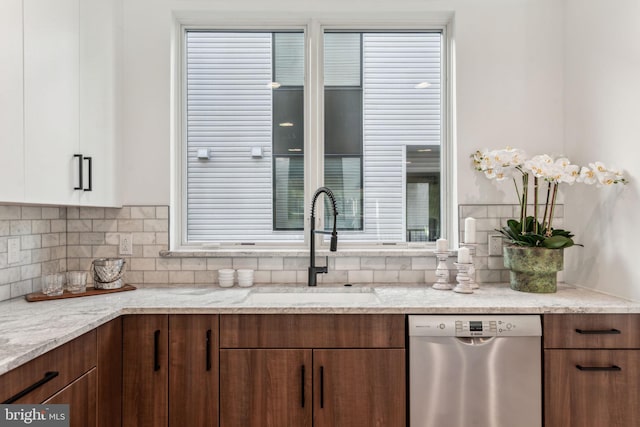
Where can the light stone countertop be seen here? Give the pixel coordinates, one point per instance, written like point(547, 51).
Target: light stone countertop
point(28, 330)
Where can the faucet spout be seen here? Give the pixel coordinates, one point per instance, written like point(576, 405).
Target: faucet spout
point(313, 270)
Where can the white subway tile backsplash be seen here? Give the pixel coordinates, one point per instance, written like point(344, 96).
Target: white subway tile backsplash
point(10, 212)
point(65, 238)
point(20, 227)
point(39, 226)
point(92, 213)
point(194, 264)
point(345, 263)
point(31, 212)
point(271, 263)
point(398, 263)
point(130, 225)
point(143, 212)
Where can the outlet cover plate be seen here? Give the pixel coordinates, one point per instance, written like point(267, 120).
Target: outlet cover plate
point(495, 245)
point(126, 244)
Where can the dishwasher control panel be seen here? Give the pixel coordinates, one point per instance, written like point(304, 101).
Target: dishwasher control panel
point(475, 326)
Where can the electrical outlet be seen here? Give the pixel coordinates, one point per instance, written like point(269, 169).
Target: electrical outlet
point(13, 250)
point(126, 244)
point(495, 245)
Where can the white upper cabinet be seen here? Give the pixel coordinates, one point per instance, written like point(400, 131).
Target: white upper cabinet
point(51, 94)
point(61, 83)
point(11, 102)
point(99, 79)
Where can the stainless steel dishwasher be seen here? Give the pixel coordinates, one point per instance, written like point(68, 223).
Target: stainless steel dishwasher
point(475, 371)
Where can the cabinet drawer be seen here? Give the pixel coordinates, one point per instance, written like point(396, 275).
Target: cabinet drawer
point(81, 398)
point(311, 331)
point(69, 361)
point(592, 331)
point(592, 388)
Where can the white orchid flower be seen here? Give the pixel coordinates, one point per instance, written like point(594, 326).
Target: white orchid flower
point(587, 176)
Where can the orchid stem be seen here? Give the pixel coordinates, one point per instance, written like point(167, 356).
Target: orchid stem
point(553, 205)
point(546, 208)
point(535, 205)
point(523, 205)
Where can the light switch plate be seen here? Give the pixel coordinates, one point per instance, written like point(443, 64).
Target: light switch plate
point(13, 250)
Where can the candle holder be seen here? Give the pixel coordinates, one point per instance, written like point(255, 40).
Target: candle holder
point(472, 269)
point(462, 278)
point(442, 272)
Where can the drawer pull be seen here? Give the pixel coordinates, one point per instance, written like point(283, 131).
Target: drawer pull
point(208, 344)
point(599, 331)
point(302, 385)
point(321, 387)
point(48, 376)
point(156, 350)
point(599, 368)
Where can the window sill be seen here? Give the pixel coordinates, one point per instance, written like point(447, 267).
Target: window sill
point(354, 252)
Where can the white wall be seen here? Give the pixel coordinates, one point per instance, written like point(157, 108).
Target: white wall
point(602, 102)
point(509, 79)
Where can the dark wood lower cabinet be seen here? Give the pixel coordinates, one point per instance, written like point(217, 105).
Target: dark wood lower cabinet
point(145, 370)
point(193, 370)
point(80, 395)
point(170, 371)
point(109, 406)
point(359, 387)
point(592, 388)
point(304, 387)
point(265, 387)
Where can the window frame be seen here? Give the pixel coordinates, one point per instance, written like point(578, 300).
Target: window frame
point(313, 30)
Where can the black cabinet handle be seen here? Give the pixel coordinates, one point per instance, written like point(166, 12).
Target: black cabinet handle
point(598, 331)
point(209, 350)
point(90, 175)
point(302, 385)
point(321, 386)
point(48, 376)
point(80, 186)
point(599, 368)
point(156, 350)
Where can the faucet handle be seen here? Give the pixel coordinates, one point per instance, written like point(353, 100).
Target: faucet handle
point(334, 242)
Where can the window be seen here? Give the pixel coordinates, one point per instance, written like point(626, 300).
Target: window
point(381, 136)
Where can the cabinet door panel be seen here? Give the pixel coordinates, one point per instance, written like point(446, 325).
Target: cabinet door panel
point(592, 396)
point(144, 362)
point(193, 370)
point(99, 63)
point(81, 398)
point(363, 387)
point(11, 102)
point(51, 100)
point(110, 374)
point(265, 388)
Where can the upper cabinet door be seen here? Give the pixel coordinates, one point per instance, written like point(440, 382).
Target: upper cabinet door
point(99, 81)
point(51, 101)
point(11, 102)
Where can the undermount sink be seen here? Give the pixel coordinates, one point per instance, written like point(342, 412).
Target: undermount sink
point(312, 296)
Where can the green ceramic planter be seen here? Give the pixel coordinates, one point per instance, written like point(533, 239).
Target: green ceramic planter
point(533, 269)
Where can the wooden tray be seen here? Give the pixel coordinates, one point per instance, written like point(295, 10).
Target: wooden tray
point(39, 296)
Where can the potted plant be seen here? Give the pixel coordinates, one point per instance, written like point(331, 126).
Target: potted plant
point(534, 253)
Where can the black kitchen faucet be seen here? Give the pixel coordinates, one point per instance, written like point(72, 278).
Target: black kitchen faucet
point(313, 270)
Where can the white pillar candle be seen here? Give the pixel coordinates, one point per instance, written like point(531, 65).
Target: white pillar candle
point(464, 257)
point(442, 245)
point(470, 230)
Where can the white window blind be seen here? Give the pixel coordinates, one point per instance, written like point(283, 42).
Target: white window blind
point(229, 112)
point(396, 114)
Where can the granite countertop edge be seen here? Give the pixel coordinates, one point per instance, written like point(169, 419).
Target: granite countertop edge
point(28, 330)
